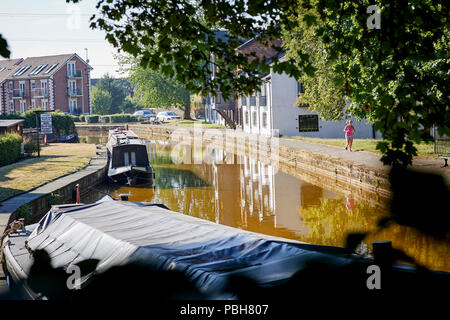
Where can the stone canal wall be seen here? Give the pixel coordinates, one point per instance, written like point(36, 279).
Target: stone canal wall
point(37, 202)
point(336, 174)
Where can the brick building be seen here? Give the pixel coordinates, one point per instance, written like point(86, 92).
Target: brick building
point(59, 82)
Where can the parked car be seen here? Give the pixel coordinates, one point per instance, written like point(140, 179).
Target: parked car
point(148, 114)
point(167, 116)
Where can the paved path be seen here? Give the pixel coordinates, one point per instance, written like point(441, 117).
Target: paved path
point(366, 158)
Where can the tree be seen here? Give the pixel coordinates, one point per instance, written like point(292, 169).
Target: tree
point(155, 90)
point(396, 76)
point(321, 90)
point(101, 101)
point(116, 91)
point(4, 51)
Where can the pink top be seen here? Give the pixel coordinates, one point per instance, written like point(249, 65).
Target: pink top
point(349, 130)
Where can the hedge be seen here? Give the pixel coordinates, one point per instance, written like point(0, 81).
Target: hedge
point(10, 145)
point(63, 123)
point(112, 118)
point(92, 119)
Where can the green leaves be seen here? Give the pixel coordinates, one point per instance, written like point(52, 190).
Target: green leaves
point(381, 73)
point(4, 51)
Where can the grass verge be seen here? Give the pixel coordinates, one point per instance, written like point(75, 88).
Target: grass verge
point(423, 149)
point(57, 159)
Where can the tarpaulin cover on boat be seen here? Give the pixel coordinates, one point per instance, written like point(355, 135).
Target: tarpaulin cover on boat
point(122, 232)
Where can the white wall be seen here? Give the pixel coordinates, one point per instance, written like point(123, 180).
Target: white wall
point(286, 114)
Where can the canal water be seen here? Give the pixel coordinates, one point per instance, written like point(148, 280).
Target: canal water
point(242, 192)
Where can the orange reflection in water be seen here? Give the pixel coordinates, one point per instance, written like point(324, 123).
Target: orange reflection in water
point(247, 194)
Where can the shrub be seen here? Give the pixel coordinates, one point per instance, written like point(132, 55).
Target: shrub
point(30, 147)
point(82, 118)
point(92, 119)
point(10, 145)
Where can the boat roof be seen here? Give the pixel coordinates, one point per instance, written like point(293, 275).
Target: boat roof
point(117, 232)
point(123, 136)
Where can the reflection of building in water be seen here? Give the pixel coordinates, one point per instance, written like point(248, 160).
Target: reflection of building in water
point(257, 193)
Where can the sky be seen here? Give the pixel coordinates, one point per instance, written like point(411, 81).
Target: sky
point(49, 27)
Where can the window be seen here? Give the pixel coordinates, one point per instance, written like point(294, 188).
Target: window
point(126, 158)
point(33, 103)
point(300, 88)
point(11, 85)
point(73, 105)
point(308, 123)
point(264, 119)
point(51, 68)
point(38, 69)
point(22, 106)
point(44, 104)
point(11, 106)
point(243, 101)
point(22, 88)
point(21, 70)
point(44, 87)
point(246, 117)
point(71, 68)
point(133, 158)
point(33, 85)
point(255, 118)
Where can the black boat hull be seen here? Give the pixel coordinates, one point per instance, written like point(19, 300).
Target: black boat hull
point(131, 176)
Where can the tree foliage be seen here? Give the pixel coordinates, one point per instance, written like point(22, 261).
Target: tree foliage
point(101, 101)
point(155, 90)
point(321, 90)
point(4, 51)
point(116, 91)
point(396, 76)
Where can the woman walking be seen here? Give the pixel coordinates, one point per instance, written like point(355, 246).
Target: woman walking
point(349, 132)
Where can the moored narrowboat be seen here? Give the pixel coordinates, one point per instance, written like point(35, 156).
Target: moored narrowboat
point(127, 158)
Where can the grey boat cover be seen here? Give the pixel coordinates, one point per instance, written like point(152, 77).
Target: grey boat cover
point(117, 232)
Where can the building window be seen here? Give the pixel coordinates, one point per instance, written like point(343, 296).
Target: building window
point(71, 68)
point(246, 118)
point(73, 106)
point(244, 101)
point(11, 86)
point(33, 103)
point(44, 104)
point(33, 85)
point(300, 88)
point(255, 118)
point(264, 119)
point(308, 123)
point(11, 106)
point(22, 106)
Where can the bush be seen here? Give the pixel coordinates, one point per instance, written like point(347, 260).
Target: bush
point(76, 118)
point(30, 147)
point(10, 145)
point(92, 119)
point(82, 118)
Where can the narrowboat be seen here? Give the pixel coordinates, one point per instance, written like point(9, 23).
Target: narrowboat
point(118, 233)
point(128, 158)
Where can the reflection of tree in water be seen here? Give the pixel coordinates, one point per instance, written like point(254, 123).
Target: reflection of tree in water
point(330, 221)
point(177, 178)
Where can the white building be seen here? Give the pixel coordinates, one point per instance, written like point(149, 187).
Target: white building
point(274, 107)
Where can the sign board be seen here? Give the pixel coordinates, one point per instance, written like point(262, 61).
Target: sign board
point(46, 123)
